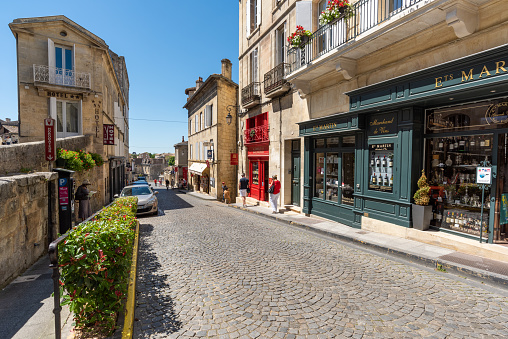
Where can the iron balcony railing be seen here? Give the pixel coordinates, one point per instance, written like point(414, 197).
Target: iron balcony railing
point(366, 15)
point(250, 93)
point(61, 76)
point(274, 78)
point(256, 134)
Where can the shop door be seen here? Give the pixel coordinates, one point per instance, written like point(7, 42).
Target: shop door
point(295, 173)
point(257, 174)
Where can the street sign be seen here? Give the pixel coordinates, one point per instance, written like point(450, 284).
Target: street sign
point(50, 139)
point(209, 154)
point(109, 134)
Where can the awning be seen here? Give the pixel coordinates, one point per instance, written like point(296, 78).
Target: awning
point(197, 168)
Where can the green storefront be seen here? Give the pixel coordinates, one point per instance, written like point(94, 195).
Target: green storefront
point(448, 120)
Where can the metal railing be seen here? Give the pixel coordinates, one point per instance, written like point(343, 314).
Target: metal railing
point(250, 93)
point(256, 134)
point(366, 15)
point(61, 76)
point(53, 258)
point(274, 78)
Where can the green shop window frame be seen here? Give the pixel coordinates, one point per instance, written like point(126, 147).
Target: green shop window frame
point(383, 147)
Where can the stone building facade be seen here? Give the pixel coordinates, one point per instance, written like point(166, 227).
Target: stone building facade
point(67, 73)
point(377, 97)
point(181, 168)
point(212, 139)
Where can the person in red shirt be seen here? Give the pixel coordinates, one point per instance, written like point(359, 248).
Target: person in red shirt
point(274, 191)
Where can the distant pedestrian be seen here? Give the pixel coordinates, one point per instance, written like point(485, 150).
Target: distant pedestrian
point(155, 182)
point(167, 184)
point(274, 191)
point(83, 196)
point(243, 186)
point(224, 189)
point(172, 183)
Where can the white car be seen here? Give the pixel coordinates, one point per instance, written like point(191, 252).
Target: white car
point(147, 200)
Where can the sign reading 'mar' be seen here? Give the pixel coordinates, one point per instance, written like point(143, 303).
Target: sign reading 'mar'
point(472, 73)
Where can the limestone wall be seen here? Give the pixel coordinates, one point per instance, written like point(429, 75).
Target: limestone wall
point(25, 221)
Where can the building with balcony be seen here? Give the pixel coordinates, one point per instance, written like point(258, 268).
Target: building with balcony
point(180, 168)
point(67, 73)
point(391, 89)
point(212, 136)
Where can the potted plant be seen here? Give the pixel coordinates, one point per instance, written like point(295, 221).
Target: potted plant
point(335, 10)
point(422, 212)
point(300, 37)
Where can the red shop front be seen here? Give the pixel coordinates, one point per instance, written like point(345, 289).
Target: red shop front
point(258, 172)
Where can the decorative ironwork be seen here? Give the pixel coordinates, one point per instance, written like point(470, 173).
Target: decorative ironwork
point(366, 15)
point(61, 76)
point(250, 93)
point(256, 134)
point(274, 79)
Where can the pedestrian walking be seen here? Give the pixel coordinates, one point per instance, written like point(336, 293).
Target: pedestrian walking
point(155, 182)
point(167, 184)
point(243, 186)
point(274, 192)
point(83, 196)
point(172, 183)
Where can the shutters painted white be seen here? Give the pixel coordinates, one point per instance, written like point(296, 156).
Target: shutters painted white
point(258, 13)
point(247, 10)
point(208, 115)
point(80, 118)
point(304, 14)
point(201, 150)
point(205, 149)
point(52, 108)
point(190, 151)
point(51, 60)
point(196, 123)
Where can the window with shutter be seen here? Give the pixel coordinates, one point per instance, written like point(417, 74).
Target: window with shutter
point(208, 115)
point(201, 121)
point(254, 66)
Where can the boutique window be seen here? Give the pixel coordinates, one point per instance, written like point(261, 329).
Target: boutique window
point(381, 167)
point(451, 162)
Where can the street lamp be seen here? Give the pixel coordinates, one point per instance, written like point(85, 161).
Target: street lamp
point(229, 117)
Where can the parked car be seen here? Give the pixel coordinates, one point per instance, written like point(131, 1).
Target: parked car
point(147, 200)
point(141, 182)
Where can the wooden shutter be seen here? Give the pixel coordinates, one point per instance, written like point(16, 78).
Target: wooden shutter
point(208, 115)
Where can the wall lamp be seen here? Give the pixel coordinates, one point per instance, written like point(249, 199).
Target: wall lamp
point(238, 112)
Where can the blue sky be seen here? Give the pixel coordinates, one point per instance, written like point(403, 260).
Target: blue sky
point(167, 45)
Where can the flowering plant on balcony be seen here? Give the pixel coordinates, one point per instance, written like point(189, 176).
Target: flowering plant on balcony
point(336, 9)
point(299, 37)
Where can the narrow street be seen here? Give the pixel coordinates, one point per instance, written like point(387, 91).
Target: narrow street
point(208, 270)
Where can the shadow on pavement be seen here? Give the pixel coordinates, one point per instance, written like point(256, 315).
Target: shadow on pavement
point(170, 200)
point(155, 313)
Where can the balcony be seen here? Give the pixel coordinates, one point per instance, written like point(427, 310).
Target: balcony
point(275, 83)
point(256, 134)
point(251, 95)
point(375, 25)
point(60, 76)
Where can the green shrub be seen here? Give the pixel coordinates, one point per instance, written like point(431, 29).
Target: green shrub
point(95, 260)
point(422, 196)
point(87, 160)
point(72, 159)
point(98, 159)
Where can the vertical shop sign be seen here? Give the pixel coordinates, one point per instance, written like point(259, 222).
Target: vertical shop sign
point(109, 134)
point(234, 159)
point(49, 139)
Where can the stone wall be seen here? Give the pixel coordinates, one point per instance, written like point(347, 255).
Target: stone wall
point(28, 220)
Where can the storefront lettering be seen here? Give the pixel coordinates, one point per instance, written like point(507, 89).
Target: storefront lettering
point(379, 128)
point(325, 126)
point(63, 95)
point(468, 75)
point(494, 116)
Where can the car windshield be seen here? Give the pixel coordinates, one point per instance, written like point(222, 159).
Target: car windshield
point(130, 191)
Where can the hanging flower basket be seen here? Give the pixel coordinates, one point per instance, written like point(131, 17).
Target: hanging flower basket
point(336, 10)
point(252, 133)
point(300, 37)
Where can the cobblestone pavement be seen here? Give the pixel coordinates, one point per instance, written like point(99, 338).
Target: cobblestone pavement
point(206, 270)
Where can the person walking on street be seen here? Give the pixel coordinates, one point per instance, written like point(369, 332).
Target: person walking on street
point(224, 189)
point(243, 186)
point(83, 196)
point(274, 191)
point(167, 184)
point(172, 183)
point(155, 182)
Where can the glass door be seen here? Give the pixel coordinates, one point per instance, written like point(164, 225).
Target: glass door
point(348, 178)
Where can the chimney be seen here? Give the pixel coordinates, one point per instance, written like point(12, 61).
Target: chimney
point(7, 120)
point(183, 138)
point(199, 82)
point(226, 68)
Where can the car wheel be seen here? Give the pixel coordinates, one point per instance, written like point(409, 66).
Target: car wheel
point(156, 212)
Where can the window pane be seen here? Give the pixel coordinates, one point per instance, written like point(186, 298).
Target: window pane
point(59, 117)
point(68, 59)
point(255, 173)
point(332, 142)
point(348, 141)
point(348, 178)
point(72, 117)
point(58, 57)
point(332, 175)
point(319, 143)
point(319, 191)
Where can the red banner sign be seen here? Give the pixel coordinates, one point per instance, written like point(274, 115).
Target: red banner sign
point(50, 139)
point(234, 159)
point(109, 134)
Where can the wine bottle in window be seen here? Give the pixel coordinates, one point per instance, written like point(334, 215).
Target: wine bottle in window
point(383, 162)
point(378, 161)
point(472, 144)
point(380, 179)
point(372, 161)
point(391, 181)
point(455, 144)
point(441, 145)
point(462, 144)
point(385, 181)
point(374, 179)
point(450, 145)
point(482, 144)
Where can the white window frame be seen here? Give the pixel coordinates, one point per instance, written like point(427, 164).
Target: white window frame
point(53, 114)
point(280, 44)
point(196, 126)
point(190, 152)
point(201, 121)
point(253, 12)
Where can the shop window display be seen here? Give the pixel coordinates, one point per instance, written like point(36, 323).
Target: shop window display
point(455, 196)
point(381, 167)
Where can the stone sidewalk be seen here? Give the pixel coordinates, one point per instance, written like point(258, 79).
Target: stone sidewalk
point(484, 268)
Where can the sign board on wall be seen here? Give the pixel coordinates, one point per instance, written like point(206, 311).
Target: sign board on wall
point(49, 139)
point(382, 124)
point(109, 134)
point(234, 159)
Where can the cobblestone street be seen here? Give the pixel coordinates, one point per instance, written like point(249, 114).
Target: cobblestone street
point(208, 270)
